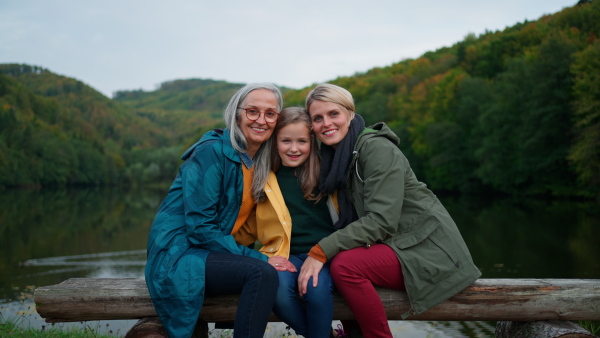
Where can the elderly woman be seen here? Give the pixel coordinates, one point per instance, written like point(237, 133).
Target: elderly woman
point(393, 231)
point(191, 250)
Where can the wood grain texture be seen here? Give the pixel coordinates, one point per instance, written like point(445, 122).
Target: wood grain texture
point(80, 299)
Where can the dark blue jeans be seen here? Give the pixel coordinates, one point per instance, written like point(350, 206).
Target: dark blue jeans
point(255, 280)
point(311, 315)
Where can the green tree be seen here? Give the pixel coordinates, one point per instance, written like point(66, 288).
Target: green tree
point(584, 154)
point(455, 138)
point(526, 127)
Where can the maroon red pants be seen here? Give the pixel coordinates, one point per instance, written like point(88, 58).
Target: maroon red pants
point(355, 272)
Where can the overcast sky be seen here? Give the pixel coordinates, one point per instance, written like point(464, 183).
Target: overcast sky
point(131, 44)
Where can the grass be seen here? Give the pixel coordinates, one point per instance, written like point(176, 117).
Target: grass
point(591, 325)
point(9, 329)
point(15, 323)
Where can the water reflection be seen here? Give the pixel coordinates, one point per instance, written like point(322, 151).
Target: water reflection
point(105, 265)
point(511, 238)
point(48, 236)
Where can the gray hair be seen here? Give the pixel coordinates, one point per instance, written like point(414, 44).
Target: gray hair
point(262, 158)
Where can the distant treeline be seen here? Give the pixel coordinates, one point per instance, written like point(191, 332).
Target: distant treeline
point(514, 111)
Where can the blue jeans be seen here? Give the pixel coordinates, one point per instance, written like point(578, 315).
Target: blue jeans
point(255, 281)
point(311, 315)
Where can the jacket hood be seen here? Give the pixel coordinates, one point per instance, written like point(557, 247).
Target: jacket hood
point(213, 135)
point(379, 129)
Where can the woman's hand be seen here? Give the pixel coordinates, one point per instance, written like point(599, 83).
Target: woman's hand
point(281, 263)
point(310, 268)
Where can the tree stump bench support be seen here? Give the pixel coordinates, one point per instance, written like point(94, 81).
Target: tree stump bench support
point(521, 300)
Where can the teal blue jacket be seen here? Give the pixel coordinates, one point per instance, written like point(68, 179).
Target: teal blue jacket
point(195, 218)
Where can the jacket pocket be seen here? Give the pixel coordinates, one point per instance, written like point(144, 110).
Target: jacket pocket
point(408, 239)
point(272, 246)
point(433, 258)
point(168, 261)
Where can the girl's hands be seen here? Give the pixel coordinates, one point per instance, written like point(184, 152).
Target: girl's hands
point(310, 268)
point(281, 263)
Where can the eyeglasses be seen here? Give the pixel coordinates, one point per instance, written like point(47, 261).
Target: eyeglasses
point(253, 114)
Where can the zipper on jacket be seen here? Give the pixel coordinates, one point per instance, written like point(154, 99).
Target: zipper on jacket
point(354, 164)
point(411, 311)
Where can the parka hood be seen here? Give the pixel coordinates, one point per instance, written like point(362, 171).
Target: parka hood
point(215, 134)
point(379, 129)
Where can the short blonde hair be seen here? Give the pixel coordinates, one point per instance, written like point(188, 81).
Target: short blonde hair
point(328, 92)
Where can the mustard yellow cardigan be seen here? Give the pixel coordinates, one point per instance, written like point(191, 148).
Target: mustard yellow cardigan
point(270, 223)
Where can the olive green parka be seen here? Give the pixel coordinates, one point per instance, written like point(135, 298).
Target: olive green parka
point(396, 209)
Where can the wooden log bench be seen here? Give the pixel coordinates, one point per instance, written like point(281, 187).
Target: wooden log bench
point(84, 299)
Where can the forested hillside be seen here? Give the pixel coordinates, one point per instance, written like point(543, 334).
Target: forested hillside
point(514, 111)
point(56, 130)
point(183, 109)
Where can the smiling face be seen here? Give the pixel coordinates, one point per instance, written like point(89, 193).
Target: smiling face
point(257, 132)
point(293, 144)
point(330, 122)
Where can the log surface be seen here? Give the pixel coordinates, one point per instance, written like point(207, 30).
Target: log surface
point(81, 299)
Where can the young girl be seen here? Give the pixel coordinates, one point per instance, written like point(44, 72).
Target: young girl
point(291, 199)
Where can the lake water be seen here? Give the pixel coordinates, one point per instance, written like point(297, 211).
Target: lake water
point(48, 236)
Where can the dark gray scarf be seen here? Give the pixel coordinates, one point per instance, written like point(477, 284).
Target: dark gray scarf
point(335, 164)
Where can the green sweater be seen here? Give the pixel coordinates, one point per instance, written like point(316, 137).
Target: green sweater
point(310, 222)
